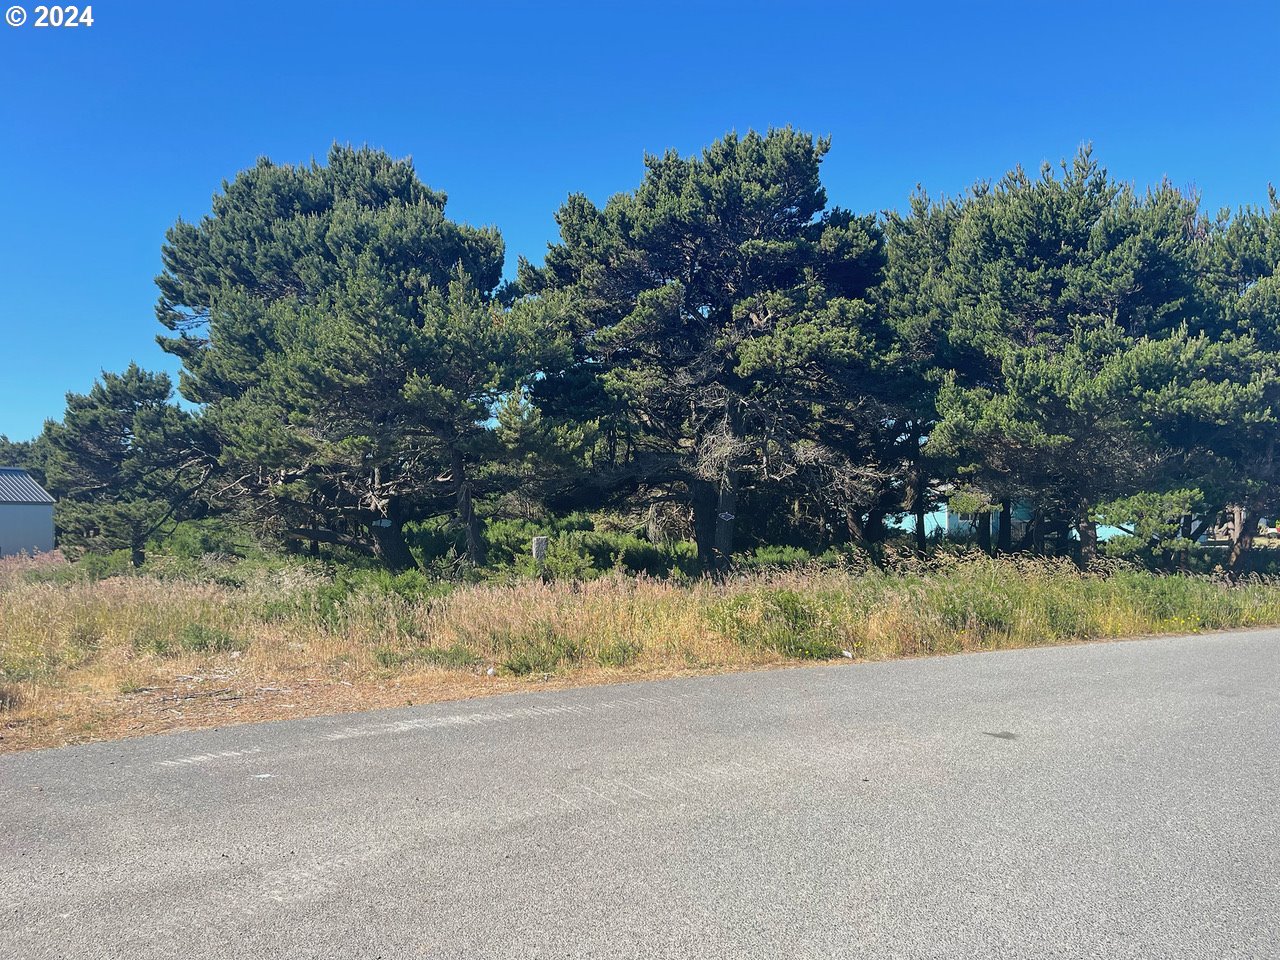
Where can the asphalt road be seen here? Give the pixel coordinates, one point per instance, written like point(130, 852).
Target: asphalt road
point(1109, 800)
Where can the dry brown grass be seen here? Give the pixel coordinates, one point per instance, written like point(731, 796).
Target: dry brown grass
point(95, 659)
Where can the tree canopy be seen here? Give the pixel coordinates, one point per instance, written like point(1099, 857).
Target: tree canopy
point(718, 312)
point(718, 355)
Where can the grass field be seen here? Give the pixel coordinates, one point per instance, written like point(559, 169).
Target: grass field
point(220, 643)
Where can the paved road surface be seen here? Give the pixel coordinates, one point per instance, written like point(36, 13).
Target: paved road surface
point(1111, 801)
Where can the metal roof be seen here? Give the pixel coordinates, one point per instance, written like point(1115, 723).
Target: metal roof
point(16, 486)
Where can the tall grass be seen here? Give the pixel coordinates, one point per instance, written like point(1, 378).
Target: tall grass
point(73, 646)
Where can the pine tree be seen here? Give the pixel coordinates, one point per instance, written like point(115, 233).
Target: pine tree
point(719, 316)
point(1055, 282)
point(123, 462)
point(347, 342)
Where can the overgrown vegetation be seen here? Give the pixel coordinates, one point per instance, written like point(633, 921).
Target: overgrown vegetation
point(726, 403)
point(79, 655)
point(715, 368)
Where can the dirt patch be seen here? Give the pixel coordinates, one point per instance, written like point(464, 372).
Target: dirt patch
point(212, 701)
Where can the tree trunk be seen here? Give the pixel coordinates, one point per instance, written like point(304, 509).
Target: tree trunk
point(1246, 525)
point(465, 510)
point(1088, 531)
point(873, 527)
point(703, 496)
point(867, 534)
point(138, 553)
point(726, 516)
point(1037, 533)
point(314, 544)
point(652, 526)
point(390, 546)
point(983, 523)
point(857, 530)
point(917, 506)
point(1004, 540)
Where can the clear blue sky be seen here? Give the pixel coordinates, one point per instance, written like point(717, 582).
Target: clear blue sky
point(109, 133)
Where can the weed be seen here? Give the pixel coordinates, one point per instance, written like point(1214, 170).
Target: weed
point(619, 653)
point(201, 638)
point(783, 620)
point(71, 644)
point(540, 649)
point(456, 657)
point(163, 641)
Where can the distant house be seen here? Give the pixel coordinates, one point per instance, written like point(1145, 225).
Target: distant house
point(948, 523)
point(945, 522)
point(964, 526)
point(26, 514)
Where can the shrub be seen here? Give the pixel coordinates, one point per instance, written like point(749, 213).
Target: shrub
point(456, 657)
point(151, 638)
point(577, 550)
point(779, 557)
point(619, 653)
point(779, 619)
point(200, 638)
point(541, 649)
point(196, 539)
point(155, 638)
point(91, 566)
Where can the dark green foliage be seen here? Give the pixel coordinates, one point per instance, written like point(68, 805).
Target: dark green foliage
point(783, 557)
point(1055, 288)
point(193, 539)
point(22, 453)
point(717, 369)
point(579, 551)
point(619, 653)
point(719, 314)
point(1154, 525)
point(200, 638)
point(123, 462)
point(346, 340)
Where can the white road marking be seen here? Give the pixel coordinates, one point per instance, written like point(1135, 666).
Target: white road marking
point(199, 758)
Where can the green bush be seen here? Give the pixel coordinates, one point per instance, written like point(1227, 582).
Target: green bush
point(91, 566)
point(456, 657)
point(190, 638)
point(619, 653)
point(194, 539)
point(200, 638)
point(541, 650)
point(577, 550)
point(327, 604)
point(782, 620)
point(150, 638)
point(774, 556)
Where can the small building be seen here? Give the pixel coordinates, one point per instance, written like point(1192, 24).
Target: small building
point(964, 526)
point(26, 514)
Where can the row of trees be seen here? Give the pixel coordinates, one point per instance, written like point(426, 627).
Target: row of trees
point(719, 354)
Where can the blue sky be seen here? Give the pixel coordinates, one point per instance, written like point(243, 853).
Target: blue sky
point(110, 133)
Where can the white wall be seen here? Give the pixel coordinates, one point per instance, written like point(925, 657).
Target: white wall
point(25, 528)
